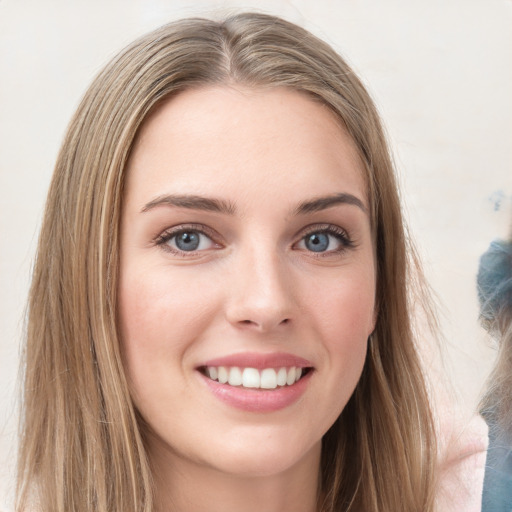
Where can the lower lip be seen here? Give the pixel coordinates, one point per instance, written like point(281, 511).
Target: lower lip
point(259, 400)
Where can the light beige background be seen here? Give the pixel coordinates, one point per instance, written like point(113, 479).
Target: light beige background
point(439, 71)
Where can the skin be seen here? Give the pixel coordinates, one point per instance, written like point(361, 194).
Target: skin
point(253, 285)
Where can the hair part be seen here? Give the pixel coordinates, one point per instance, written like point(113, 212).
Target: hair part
point(81, 441)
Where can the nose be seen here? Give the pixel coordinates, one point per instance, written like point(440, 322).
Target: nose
point(261, 294)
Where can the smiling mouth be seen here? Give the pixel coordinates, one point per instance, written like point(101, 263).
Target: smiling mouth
point(252, 378)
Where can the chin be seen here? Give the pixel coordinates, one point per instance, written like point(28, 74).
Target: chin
point(264, 458)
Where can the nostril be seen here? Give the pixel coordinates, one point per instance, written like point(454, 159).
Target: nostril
point(262, 324)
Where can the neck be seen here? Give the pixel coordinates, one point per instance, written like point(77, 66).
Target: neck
point(185, 486)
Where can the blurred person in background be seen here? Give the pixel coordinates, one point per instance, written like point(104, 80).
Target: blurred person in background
point(495, 294)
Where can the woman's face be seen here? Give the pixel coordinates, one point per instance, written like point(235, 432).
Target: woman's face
point(246, 264)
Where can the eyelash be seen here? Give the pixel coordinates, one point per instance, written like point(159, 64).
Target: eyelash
point(340, 234)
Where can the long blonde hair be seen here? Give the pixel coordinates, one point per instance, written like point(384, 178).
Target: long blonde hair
point(81, 446)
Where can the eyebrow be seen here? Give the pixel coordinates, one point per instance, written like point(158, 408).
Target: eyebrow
point(192, 202)
point(322, 203)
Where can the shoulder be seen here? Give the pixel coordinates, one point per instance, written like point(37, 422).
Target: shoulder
point(463, 450)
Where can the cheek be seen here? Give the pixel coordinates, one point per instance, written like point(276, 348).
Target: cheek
point(344, 307)
point(160, 317)
point(157, 305)
point(343, 317)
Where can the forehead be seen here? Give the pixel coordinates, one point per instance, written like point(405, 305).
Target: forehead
point(223, 139)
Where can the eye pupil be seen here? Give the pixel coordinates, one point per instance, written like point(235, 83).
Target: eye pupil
point(317, 242)
point(187, 241)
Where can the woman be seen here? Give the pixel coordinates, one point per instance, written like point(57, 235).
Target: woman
point(219, 313)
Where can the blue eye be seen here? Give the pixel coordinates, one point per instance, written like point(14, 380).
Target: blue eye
point(317, 242)
point(330, 239)
point(185, 240)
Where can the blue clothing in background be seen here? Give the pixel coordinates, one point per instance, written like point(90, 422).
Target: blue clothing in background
point(495, 294)
point(494, 278)
point(497, 494)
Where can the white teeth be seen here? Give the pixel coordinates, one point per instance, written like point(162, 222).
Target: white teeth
point(235, 376)
point(251, 378)
point(268, 378)
point(281, 376)
point(223, 375)
point(290, 378)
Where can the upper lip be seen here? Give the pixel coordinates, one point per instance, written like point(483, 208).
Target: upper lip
point(259, 361)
